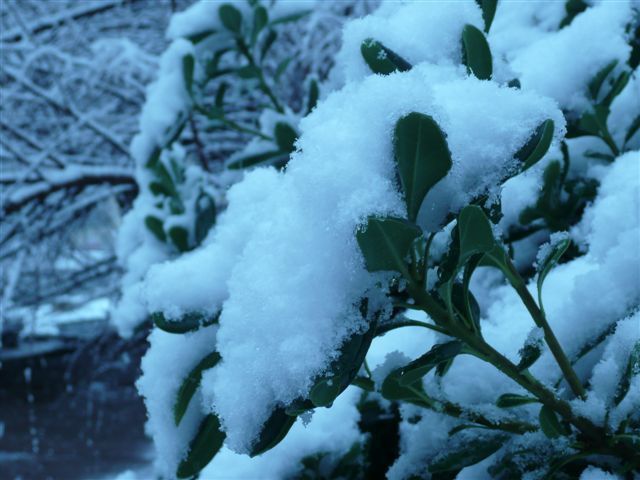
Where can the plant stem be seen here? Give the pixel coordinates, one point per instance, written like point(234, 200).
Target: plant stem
point(541, 321)
point(487, 353)
point(454, 410)
point(244, 49)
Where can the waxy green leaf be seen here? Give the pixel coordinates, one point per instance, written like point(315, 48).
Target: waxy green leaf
point(205, 216)
point(343, 370)
point(188, 66)
point(190, 384)
point(555, 252)
point(385, 243)
point(509, 400)
point(476, 54)
point(382, 60)
point(187, 323)
point(203, 447)
point(391, 389)
point(537, 146)
point(550, 424)
point(154, 225)
point(179, 237)
point(476, 234)
point(273, 431)
point(230, 17)
point(285, 136)
point(418, 368)
point(488, 8)
point(422, 156)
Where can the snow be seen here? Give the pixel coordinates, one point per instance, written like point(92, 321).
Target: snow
point(168, 361)
point(316, 206)
point(283, 267)
point(203, 16)
point(561, 64)
point(331, 431)
point(593, 473)
point(417, 31)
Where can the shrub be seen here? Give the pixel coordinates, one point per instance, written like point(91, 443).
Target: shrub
point(452, 181)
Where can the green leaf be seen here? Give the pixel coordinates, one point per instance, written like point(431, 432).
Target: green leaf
point(476, 54)
point(391, 389)
point(633, 128)
point(476, 234)
point(190, 384)
point(187, 323)
point(179, 237)
point(285, 136)
point(471, 306)
point(230, 17)
point(382, 60)
point(205, 216)
point(385, 243)
point(509, 400)
point(422, 155)
point(258, 158)
point(573, 8)
point(556, 251)
point(515, 83)
point(466, 304)
point(281, 68)
point(364, 383)
point(222, 90)
point(537, 146)
point(415, 370)
point(467, 454)
point(199, 37)
point(158, 189)
point(248, 72)
point(448, 267)
point(616, 89)
point(273, 431)
point(633, 369)
point(314, 93)
point(203, 447)
point(325, 391)
point(550, 424)
point(188, 66)
point(298, 407)
point(343, 370)
point(529, 353)
point(268, 43)
point(294, 17)
point(260, 20)
point(596, 83)
point(154, 225)
point(488, 8)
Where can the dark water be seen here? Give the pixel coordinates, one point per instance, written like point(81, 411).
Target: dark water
point(73, 413)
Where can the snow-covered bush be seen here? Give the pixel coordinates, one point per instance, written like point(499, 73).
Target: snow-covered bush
point(220, 104)
point(468, 161)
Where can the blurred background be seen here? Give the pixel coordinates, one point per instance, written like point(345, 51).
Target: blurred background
point(72, 83)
